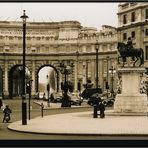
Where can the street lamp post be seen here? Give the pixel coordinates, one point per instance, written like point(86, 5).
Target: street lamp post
point(48, 90)
point(66, 70)
point(112, 71)
point(86, 71)
point(24, 105)
point(97, 49)
point(107, 86)
point(95, 114)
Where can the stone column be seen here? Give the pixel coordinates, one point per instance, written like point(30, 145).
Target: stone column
point(76, 76)
point(84, 72)
point(6, 80)
point(33, 77)
point(93, 71)
point(60, 80)
point(100, 72)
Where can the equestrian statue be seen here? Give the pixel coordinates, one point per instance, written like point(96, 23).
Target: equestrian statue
point(127, 50)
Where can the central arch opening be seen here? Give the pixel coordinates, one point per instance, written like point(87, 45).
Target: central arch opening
point(47, 75)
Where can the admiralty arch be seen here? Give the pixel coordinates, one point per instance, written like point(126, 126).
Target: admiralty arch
point(47, 44)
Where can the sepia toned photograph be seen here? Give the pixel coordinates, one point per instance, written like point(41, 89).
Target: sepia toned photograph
point(73, 71)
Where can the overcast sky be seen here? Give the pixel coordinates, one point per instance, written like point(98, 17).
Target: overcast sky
point(88, 14)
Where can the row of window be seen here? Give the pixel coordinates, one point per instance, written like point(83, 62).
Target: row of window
point(133, 16)
point(133, 35)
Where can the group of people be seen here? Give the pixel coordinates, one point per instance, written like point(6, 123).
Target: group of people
point(7, 111)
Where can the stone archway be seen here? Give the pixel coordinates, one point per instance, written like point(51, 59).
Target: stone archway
point(54, 74)
point(15, 81)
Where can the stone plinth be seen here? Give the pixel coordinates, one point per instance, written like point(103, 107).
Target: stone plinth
point(130, 99)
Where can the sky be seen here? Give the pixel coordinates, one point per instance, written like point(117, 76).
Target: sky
point(92, 14)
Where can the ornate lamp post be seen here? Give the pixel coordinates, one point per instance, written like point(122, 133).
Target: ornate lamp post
point(95, 114)
point(24, 106)
point(78, 83)
point(97, 49)
point(112, 71)
point(66, 70)
point(48, 90)
point(107, 86)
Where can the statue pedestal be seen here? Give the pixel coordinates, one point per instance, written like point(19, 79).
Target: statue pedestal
point(130, 100)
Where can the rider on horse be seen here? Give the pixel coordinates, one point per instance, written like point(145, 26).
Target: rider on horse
point(129, 44)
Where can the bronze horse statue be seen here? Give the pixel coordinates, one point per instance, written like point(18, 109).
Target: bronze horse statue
point(133, 53)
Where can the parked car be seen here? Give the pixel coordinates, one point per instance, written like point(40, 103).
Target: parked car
point(108, 102)
point(87, 93)
point(57, 97)
point(41, 96)
point(76, 99)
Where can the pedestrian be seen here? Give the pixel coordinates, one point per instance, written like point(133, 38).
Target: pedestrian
point(51, 97)
point(102, 109)
point(1, 103)
point(7, 111)
point(44, 96)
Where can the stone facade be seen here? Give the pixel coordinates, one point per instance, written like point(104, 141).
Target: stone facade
point(133, 22)
point(47, 44)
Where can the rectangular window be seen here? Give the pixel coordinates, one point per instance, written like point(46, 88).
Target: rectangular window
point(146, 32)
point(124, 36)
point(133, 34)
point(124, 19)
point(133, 17)
point(146, 14)
point(146, 53)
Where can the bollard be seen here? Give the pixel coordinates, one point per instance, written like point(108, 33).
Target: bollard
point(42, 107)
point(95, 111)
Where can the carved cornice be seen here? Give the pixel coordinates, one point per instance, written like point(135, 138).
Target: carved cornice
point(131, 70)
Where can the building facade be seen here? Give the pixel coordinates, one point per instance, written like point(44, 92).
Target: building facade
point(133, 22)
point(47, 44)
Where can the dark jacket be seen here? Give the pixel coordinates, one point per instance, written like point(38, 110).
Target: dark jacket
point(7, 110)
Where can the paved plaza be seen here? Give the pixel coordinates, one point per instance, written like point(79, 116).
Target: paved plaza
point(83, 123)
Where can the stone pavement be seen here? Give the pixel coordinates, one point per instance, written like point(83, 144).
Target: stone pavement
point(83, 123)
